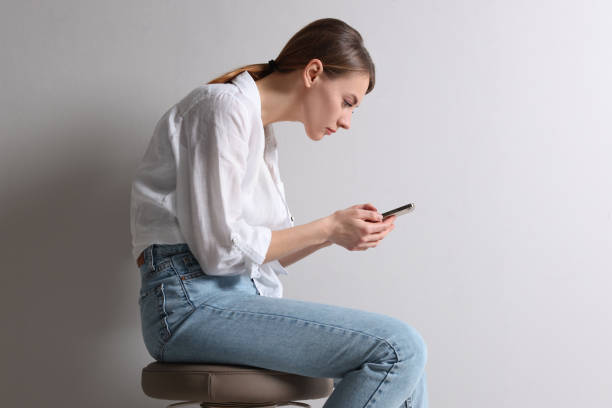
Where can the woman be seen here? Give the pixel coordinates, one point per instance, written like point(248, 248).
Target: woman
point(211, 230)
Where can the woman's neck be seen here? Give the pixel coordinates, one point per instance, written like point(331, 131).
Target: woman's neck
point(280, 95)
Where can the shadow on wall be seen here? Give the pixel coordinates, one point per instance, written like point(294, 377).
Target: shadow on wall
point(70, 284)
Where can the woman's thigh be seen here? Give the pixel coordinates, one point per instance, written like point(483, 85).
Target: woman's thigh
point(288, 335)
point(189, 316)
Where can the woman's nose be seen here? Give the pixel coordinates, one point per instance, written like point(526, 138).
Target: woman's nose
point(345, 122)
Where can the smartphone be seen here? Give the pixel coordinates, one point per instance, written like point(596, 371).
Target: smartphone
point(399, 210)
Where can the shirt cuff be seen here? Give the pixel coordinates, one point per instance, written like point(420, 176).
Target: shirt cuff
point(278, 267)
point(256, 247)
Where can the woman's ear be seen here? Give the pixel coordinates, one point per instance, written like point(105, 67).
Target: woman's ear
point(312, 71)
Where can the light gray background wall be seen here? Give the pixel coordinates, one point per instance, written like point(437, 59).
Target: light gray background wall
point(492, 116)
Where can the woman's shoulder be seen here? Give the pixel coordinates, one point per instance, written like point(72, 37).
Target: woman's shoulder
point(213, 100)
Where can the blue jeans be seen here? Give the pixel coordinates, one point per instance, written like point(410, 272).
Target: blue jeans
point(376, 361)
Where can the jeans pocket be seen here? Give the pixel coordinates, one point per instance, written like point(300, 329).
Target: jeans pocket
point(154, 320)
point(163, 307)
point(196, 287)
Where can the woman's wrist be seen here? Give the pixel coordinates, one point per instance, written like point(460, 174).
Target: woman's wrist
point(327, 228)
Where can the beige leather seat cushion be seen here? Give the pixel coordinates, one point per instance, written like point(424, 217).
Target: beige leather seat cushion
point(229, 383)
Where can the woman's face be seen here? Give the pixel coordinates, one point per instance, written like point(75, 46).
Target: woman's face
point(330, 103)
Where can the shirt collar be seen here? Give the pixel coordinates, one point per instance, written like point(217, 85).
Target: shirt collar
point(245, 82)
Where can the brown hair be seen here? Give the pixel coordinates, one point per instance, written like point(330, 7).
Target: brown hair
point(338, 45)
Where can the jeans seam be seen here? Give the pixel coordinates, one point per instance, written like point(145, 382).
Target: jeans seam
point(164, 310)
point(164, 343)
point(380, 386)
point(175, 270)
point(309, 321)
point(164, 320)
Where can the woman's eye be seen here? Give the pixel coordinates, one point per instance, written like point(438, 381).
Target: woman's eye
point(347, 104)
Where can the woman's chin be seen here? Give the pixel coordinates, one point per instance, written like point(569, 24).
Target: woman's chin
point(317, 137)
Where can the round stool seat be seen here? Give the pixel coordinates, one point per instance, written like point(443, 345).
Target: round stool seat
point(230, 385)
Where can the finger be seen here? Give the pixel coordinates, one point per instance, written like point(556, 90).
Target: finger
point(373, 216)
point(377, 227)
point(369, 206)
point(380, 235)
point(383, 225)
point(366, 245)
point(389, 220)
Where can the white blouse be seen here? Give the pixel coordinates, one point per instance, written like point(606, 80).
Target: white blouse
point(210, 178)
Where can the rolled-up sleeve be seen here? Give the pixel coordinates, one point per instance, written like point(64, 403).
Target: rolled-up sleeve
point(217, 234)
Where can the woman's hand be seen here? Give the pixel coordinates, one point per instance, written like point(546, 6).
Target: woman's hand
point(359, 227)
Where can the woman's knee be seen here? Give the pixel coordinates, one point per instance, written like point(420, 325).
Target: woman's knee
point(405, 341)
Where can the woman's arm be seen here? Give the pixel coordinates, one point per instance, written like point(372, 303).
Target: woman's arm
point(293, 240)
point(296, 256)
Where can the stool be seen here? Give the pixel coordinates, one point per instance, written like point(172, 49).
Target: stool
point(236, 386)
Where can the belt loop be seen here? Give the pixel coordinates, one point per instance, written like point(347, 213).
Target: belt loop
point(150, 250)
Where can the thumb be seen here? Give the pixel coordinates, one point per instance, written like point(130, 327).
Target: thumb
point(372, 214)
point(369, 206)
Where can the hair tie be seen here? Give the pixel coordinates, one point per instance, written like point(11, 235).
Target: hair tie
point(272, 64)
